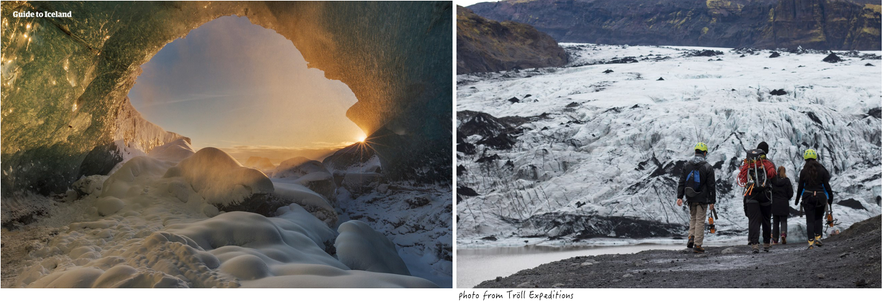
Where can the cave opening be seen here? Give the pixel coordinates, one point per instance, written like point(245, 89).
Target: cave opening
point(246, 90)
point(67, 114)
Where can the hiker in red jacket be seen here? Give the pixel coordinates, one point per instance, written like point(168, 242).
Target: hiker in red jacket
point(756, 175)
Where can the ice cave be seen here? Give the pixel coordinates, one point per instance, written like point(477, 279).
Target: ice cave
point(82, 211)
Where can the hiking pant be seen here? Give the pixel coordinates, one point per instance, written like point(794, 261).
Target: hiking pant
point(779, 220)
point(697, 222)
point(814, 217)
point(758, 216)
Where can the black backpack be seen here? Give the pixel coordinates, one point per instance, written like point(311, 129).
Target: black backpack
point(757, 182)
point(693, 184)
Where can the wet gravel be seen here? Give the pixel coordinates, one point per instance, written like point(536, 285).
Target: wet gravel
point(848, 260)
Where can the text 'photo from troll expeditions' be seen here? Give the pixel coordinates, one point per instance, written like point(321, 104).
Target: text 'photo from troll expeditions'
point(614, 143)
point(227, 144)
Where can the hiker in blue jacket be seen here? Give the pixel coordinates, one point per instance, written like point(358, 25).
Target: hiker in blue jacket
point(697, 184)
point(813, 186)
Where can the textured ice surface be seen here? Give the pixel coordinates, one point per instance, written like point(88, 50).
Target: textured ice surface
point(308, 173)
point(297, 167)
point(360, 247)
point(219, 178)
point(230, 250)
point(417, 219)
point(176, 150)
point(293, 192)
point(593, 148)
point(150, 226)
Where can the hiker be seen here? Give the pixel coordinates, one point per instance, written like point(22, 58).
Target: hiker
point(756, 176)
point(813, 186)
point(782, 192)
point(697, 184)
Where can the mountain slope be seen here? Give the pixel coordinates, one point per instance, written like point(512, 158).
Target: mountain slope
point(817, 24)
point(486, 45)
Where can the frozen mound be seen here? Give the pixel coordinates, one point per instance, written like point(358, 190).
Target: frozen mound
point(362, 176)
point(361, 247)
point(234, 234)
point(309, 173)
point(416, 219)
point(219, 178)
point(175, 151)
point(291, 192)
point(285, 251)
point(297, 167)
point(230, 250)
point(160, 260)
point(296, 218)
point(133, 175)
point(209, 179)
point(320, 182)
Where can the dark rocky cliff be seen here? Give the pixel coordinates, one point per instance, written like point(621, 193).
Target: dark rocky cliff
point(486, 45)
point(816, 24)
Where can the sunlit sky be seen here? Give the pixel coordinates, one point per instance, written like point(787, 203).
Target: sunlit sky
point(231, 83)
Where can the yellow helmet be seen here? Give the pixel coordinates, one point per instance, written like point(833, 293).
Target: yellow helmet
point(810, 153)
point(701, 147)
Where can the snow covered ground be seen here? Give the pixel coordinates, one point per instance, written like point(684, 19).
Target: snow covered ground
point(588, 152)
point(174, 218)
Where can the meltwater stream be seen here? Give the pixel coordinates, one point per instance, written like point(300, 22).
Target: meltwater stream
point(475, 265)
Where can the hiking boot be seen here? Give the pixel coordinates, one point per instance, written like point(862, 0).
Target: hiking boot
point(690, 242)
point(698, 249)
point(810, 244)
point(818, 241)
point(783, 239)
point(754, 248)
point(766, 247)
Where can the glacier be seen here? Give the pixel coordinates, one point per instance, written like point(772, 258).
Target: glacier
point(593, 151)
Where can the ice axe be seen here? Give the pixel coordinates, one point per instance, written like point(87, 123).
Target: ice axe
point(830, 216)
point(711, 217)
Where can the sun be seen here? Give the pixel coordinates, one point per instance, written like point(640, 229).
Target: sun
point(361, 138)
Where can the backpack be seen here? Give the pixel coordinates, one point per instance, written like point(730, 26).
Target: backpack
point(693, 185)
point(757, 182)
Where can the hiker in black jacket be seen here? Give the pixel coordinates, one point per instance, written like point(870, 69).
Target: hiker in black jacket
point(813, 186)
point(697, 184)
point(782, 192)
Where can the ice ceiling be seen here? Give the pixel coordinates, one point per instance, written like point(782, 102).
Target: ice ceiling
point(65, 80)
